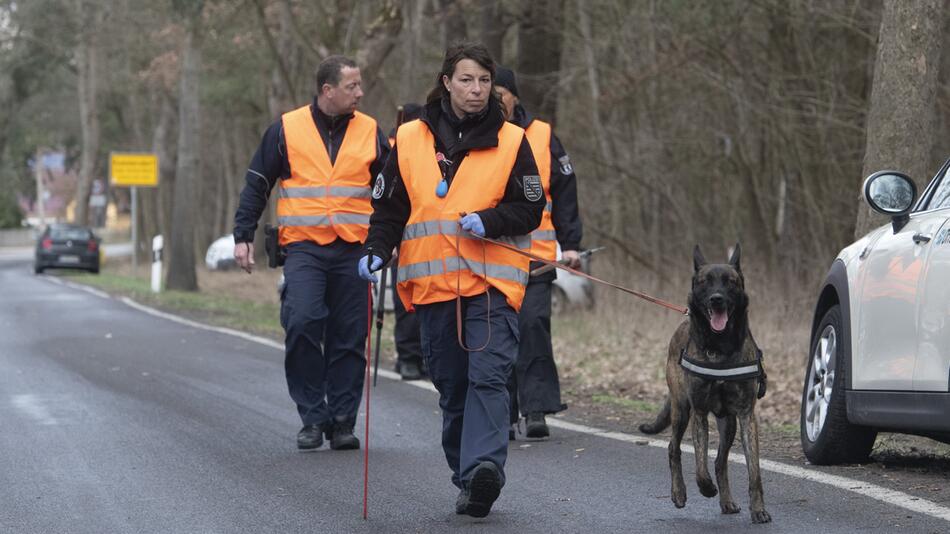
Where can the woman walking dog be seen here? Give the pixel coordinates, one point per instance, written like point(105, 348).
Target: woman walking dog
point(458, 170)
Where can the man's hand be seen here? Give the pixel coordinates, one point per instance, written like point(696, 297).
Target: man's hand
point(571, 258)
point(244, 256)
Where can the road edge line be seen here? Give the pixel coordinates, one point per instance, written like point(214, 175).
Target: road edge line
point(866, 489)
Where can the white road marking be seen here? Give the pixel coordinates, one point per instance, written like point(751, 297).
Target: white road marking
point(866, 489)
point(81, 287)
point(31, 406)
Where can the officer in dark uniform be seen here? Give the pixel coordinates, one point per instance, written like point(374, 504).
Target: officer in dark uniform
point(409, 362)
point(323, 158)
point(534, 386)
point(457, 171)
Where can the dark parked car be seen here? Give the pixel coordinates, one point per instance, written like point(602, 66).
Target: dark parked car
point(69, 246)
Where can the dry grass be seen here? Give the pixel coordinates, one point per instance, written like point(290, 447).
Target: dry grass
point(619, 348)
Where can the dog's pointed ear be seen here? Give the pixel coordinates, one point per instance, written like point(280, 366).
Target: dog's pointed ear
point(698, 259)
point(734, 259)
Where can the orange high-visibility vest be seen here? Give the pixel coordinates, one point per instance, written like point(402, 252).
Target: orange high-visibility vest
point(321, 202)
point(544, 239)
point(437, 259)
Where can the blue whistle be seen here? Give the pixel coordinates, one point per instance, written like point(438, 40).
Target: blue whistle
point(442, 189)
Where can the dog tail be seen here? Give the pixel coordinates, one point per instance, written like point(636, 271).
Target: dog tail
point(660, 423)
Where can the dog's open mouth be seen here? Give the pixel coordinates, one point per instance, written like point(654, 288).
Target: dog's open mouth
point(718, 319)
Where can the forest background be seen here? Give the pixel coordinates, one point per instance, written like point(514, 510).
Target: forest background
point(687, 123)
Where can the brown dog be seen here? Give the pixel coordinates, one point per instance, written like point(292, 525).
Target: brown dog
point(714, 367)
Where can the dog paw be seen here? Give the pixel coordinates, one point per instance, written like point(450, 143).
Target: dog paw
point(679, 499)
point(707, 488)
point(729, 507)
point(761, 517)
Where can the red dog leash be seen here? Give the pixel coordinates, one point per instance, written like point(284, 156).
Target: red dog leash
point(369, 357)
point(644, 296)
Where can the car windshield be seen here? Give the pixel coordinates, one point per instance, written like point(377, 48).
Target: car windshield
point(941, 196)
point(69, 233)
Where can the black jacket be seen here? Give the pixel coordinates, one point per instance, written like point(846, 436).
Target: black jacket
point(564, 210)
point(454, 137)
point(270, 163)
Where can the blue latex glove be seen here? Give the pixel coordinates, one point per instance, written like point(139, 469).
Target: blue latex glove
point(473, 223)
point(367, 267)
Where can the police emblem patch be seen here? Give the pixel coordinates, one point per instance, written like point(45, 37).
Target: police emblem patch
point(532, 188)
point(379, 187)
point(566, 167)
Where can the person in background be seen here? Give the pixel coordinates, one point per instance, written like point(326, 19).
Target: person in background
point(534, 386)
point(322, 157)
point(409, 362)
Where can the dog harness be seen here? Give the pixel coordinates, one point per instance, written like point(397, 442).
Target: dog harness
point(723, 371)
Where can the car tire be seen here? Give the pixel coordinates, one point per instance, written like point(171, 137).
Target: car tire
point(826, 435)
point(38, 269)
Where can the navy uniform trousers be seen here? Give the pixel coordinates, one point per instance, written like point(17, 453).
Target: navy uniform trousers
point(535, 386)
point(472, 385)
point(324, 311)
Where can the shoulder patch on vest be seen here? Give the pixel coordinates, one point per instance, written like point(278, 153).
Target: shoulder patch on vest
point(566, 167)
point(379, 187)
point(532, 188)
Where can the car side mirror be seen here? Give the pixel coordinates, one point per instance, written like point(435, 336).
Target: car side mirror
point(891, 193)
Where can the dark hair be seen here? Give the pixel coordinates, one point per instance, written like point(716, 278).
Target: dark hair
point(455, 53)
point(330, 68)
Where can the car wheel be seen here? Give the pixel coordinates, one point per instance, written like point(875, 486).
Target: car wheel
point(827, 436)
point(559, 302)
point(38, 269)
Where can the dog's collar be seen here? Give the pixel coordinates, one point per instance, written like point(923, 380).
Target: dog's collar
point(723, 371)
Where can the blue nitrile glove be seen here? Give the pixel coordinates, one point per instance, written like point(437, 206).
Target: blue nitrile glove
point(367, 267)
point(473, 223)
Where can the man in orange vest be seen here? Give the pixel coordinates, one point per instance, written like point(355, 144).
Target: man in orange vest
point(323, 157)
point(534, 386)
point(457, 173)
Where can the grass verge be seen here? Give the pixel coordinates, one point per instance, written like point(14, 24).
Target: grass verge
point(260, 318)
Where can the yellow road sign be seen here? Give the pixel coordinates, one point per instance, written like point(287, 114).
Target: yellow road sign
point(128, 169)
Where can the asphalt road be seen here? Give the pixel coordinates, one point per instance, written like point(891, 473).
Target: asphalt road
point(115, 420)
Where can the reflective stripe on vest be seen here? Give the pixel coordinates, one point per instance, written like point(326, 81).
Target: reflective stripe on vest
point(323, 201)
point(322, 192)
point(437, 260)
point(544, 239)
point(452, 228)
point(453, 264)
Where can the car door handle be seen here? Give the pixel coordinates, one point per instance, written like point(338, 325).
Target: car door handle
point(921, 238)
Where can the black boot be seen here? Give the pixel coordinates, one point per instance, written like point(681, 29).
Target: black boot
point(535, 426)
point(483, 489)
point(310, 437)
point(461, 504)
point(409, 370)
point(343, 438)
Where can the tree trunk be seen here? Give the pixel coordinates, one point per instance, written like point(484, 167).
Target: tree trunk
point(493, 28)
point(539, 55)
point(87, 66)
point(453, 22)
point(181, 267)
point(901, 116)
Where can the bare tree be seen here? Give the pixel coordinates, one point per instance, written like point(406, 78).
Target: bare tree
point(181, 267)
point(539, 55)
point(901, 119)
point(87, 65)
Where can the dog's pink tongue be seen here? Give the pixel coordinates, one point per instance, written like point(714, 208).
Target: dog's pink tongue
point(718, 321)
